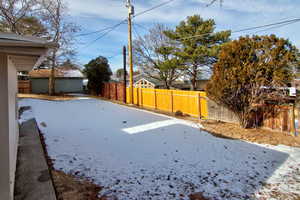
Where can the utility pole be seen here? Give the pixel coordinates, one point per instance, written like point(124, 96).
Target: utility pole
point(124, 73)
point(130, 14)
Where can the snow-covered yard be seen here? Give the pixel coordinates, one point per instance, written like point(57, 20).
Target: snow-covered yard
point(137, 154)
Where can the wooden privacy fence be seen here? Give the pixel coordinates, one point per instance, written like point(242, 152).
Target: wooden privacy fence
point(196, 104)
point(24, 87)
point(192, 103)
point(188, 102)
point(114, 91)
point(273, 117)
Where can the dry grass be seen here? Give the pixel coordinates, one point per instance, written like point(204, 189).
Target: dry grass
point(67, 186)
point(47, 97)
point(263, 136)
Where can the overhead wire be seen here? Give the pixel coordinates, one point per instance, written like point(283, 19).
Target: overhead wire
point(105, 33)
point(153, 8)
point(272, 25)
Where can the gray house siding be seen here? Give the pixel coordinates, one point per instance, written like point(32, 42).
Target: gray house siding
point(62, 85)
point(39, 86)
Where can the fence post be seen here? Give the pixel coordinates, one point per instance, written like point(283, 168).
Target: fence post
point(142, 103)
point(293, 128)
point(108, 90)
point(172, 101)
point(116, 91)
point(199, 105)
point(155, 103)
point(137, 96)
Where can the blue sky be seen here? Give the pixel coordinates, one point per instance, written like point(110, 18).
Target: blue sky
point(94, 15)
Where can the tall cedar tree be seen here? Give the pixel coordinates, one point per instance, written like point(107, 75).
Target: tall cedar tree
point(154, 54)
point(199, 45)
point(97, 71)
point(249, 71)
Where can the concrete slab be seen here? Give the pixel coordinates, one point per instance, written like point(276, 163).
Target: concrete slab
point(33, 180)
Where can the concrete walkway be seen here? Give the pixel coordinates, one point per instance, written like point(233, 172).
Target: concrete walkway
point(33, 180)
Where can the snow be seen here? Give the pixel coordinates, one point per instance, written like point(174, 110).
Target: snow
point(72, 73)
point(137, 154)
point(26, 115)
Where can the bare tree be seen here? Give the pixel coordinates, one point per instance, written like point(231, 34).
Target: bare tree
point(19, 16)
point(60, 31)
point(154, 54)
point(43, 18)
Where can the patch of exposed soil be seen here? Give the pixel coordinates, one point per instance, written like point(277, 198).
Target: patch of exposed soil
point(262, 136)
point(47, 97)
point(70, 187)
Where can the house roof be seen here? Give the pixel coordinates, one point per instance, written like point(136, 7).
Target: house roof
point(25, 52)
point(11, 39)
point(60, 72)
point(156, 82)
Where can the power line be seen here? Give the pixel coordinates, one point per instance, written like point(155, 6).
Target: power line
point(110, 29)
point(117, 54)
point(141, 26)
point(107, 32)
point(136, 34)
point(278, 26)
point(152, 8)
point(267, 25)
point(93, 32)
point(272, 25)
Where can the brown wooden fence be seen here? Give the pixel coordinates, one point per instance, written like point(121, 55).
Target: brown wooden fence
point(114, 91)
point(271, 117)
point(24, 87)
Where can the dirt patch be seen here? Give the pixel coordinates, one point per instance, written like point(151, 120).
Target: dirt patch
point(47, 97)
point(197, 196)
point(68, 186)
point(262, 136)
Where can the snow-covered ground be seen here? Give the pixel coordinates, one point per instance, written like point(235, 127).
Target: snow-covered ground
point(137, 154)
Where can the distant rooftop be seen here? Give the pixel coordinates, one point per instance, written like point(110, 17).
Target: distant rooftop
point(60, 72)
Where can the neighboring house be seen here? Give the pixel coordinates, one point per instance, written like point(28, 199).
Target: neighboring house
point(17, 53)
point(143, 81)
point(67, 80)
point(201, 84)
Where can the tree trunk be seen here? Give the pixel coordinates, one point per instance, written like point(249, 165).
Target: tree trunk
point(52, 82)
point(193, 83)
point(52, 76)
point(167, 85)
point(245, 120)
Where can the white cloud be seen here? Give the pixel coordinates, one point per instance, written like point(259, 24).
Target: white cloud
point(234, 14)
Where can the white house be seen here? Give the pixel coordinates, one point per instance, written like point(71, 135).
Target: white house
point(17, 53)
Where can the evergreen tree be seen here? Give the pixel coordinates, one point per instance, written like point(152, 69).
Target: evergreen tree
point(251, 70)
point(199, 45)
point(97, 71)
